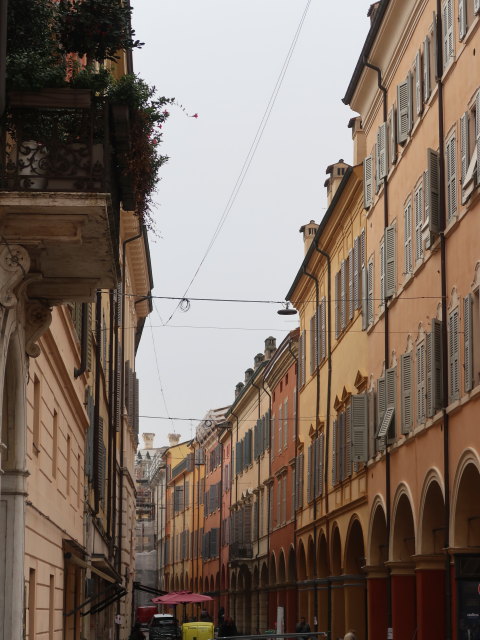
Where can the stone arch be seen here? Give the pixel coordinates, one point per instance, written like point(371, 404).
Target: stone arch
point(273, 569)
point(281, 568)
point(431, 517)
point(291, 577)
point(302, 562)
point(310, 558)
point(264, 575)
point(465, 525)
point(322, 556)
point(354, 559)
point(355, 587)
point(402, 546)
point(377, 544)
point(336, 551)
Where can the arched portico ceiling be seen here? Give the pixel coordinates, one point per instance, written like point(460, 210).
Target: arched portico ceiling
point(281, 567)
point(264, 574)
point(302, 562)
point(402, 534)
point(431, 530)
point(311, 568)
point(272, 569)
point(291, 577)
point(377, 545)
point(336, 552)
point(354, 547)
point(465, 509)
point(322, 556)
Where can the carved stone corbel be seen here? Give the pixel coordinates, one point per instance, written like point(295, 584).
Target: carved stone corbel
point(38, 317)
point(14, 266)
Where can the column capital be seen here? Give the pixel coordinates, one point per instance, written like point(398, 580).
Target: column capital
point(430, 562)
point(376, 571)
point(401, 568)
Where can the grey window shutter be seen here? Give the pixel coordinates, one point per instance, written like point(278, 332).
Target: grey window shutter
point(462, 19)
point(313, 343)
point(464, 145)
point(430, 409)
point(468, 340)
point(280, 429)
point(437, 64)
point(309, 474)
point(382, 270)
point(285, 423)
point(304, 347)
point(408, 257)
point(364, 299)
point(476, 5)
point(90, 436)
point(406, 390)
point(359, 427)
point(372, 430)
point(356, 272)
point(418, 206)
point(477, 132)
point(362, 247)
point(448, 36)
point(391, 392)
point(370, 289)
point(323, 328)
point(382, 152)
point(426, 69)
point(368, 182)
point(318, 329)
point(350, 285)
point(375, 166)
point(432, 211)
point(403, 105)
point(453, 355)
point(334, 452)
point(390, 262)
point(343, 295)
point(436, 364)
point(341, 447)
point(274, 422)
point(337, 304)
point(321, 453)
point(451, 177)
point(136, 406)
point(392, 135)
point(381, 401)
point(348, 443)
point(418, 84)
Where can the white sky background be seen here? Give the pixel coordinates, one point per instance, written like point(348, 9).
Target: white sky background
point(221, 59)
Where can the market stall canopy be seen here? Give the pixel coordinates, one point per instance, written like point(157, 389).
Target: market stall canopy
point(181, 597)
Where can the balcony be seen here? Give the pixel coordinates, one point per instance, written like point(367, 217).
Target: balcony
point(58, 194)
point(240, 551)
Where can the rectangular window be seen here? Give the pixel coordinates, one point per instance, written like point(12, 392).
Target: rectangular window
point(462, 19)
point(54, 444)
point(432, 211)
point(392, 135)
point(368, 182)
point(408, 258)
point(280, 428)
point(69, 457)
point(418, 84)
point(453, 364)
point(421, 389)
point(313, 343)
point(370, 293)
point(427, 75)
point(285, 423)
point(390, 262)
point(350, 295)
point(37, 417)
point(382, 151)
point(451, 177)
point(337, 305)
point(404, 106)
point(419, 213)
point(406, 389)
point(447, 33)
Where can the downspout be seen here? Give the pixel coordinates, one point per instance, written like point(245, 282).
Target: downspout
point(84, 343)
point(328, 422)
point(96, 422)
point(317, 422)
point(386, 355)
point(122, 405)
point(443, 275)
point(258, 519)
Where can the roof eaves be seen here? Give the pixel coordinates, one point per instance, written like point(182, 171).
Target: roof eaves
point(367, 47)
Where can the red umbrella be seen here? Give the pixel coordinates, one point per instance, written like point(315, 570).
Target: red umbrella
point(181, 597)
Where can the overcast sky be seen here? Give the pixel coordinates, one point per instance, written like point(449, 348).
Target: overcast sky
point(221, 59)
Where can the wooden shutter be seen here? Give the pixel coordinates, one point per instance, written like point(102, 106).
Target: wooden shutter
point(348, 443)
point(118, 389)
point(343, 284)
point(302, 463)
point(359, 427)
point(464, 145)
point(418, 207)
point(285, 423)
point(323, 328)
point(432, 211)
point(364, 299)
point(381, 401)
point(309, 474)
point(341, 447)
point(392, 135)
point(350, 285)
point(408, 257)
point(304, 347)
point(382, 270)
point(372, 429)
point(90, 435)
point(280, 428)
point(390, 261)
point(453, 355)
point(268, 427)
point(368, 182)
point(403, 105)
point(462, 19)
point(321, 453)
point(313, 342)
point(468, 341)
point(136, 404)
point(451, 178)
point(273, 427)
point(370, 289)
point(418, 84)
point(89, 338)
point(426, 69)
point(334, 452)
point(375, 166)
point(477, 131)
point(337, 304)
point(447, 27)
point(406, 391)
point(357, 267)
point(437, 364)
point(382, 151)
point(391, 393)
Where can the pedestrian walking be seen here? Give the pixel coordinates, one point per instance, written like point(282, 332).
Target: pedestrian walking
point(303, 627)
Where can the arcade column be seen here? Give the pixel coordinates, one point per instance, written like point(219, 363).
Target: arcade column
point(377, 602)
point(404, 600)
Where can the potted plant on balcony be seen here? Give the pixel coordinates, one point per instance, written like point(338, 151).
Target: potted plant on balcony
point(139, 158)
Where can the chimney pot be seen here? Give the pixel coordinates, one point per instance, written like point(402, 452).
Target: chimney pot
point(259, 358)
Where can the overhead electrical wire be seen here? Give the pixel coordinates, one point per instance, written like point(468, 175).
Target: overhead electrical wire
point(251, 153)
point(162, 391)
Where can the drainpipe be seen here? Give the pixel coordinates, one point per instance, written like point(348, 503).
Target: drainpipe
point(386, 352)
point(84, 343)
point(328, 423)
point(122, 405)
point(449, 631)
point(258, 518)
point(317, 422)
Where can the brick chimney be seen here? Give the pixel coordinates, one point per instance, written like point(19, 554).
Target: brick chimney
point(309, 230)
point(336, 172)
point(359, 140)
